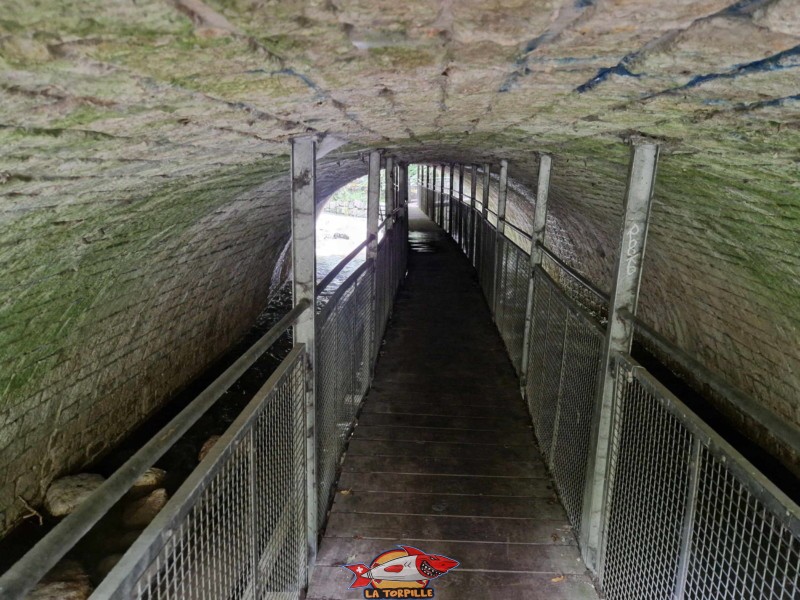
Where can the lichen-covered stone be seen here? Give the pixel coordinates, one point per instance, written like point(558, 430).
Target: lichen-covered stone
point(138, 513)
point(66, 581)
point(148, 481)
point(66, 494)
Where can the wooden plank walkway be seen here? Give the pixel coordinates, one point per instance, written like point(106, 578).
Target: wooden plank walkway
point(443, 457)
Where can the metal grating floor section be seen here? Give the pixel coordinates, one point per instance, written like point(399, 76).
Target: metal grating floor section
point(443, 457)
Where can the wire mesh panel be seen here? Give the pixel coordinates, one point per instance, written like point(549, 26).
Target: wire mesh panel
point(542, 289)
point(236, 527)
point(595, 306)
point(739, 548)
point(344, 355)
point(547, 394)
point(688, 516)
point(487, 266)
point(648, 490)
point(513, 299)
point(570, 446)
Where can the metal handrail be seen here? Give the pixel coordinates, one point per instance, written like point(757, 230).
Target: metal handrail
point(149, 544)
point(346, 284)
point(328, 279)
point(783, 508)
point(519, 231)
point(35, 564)
point(573, 273)
point(397, 211)
point(786, 433)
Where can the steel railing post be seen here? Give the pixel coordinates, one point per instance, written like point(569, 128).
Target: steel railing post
point(441, 197)
point(688, 521)
point(619, 337)
point(451, 217)
point(473, 236)
point(304, 277)
point(485, 234)
point(403, 200)
point(465, 217)
point(537, 240)
point(373, 201)
point(388, 193)
point(501, 228)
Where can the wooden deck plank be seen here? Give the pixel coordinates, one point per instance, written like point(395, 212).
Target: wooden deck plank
point(515, 436)
point(444, 504)
point(534, 467)
point(531, 558)
point(450, 484)
point(447, 528)
point(439, 449)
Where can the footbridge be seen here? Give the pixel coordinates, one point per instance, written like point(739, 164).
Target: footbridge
point(462, 398)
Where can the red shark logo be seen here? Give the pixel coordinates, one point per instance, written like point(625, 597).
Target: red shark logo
point(412, 565)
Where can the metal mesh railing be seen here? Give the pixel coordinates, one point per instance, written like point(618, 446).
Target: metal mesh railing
point(687, 515)
point(563, 363)
point(237, 528)
point(344, 359)
point(512, 298)
point(485, 259)
point(349, 332)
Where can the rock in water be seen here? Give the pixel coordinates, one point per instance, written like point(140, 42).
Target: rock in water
point(67, 581)
point(207, 446)
point(139, 513)
point(104, 566)
point(150, 480)
point(65, 494)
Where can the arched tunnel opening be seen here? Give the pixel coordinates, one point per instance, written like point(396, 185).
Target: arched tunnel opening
point(154, 243)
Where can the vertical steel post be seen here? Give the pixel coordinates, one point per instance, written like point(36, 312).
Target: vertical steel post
point(619, 337)
point(539, 226)
point(403, 200)
point(304, 276)
point(462, 213)
point(388, 193)
point(373, 215)
point(402, 189)
point(688, 522)
point(487, 177)
point(473, 219)
point(450, 216)
point(434, 208)
point(441, 198)
point(501, 229)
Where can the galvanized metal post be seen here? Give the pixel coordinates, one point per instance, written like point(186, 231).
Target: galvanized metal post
point(388, 193)
point(462, 213)
point(473, 221)
point(304, 276)
point(619, 337)
point(441, 198)
point(434, 209)
point(685, 552)
point(487, 177)
point(501, 228)
point(402, 188)
point(451, 217)
point(373, 215)
point(403, 201)
point(539, 226)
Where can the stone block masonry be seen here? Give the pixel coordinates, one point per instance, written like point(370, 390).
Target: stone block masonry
point(162, 299)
